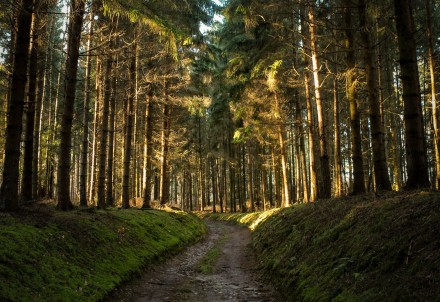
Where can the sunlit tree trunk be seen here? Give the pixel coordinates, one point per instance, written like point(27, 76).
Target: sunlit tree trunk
point(9, 187)
point(432, 67)
point(325, 183)
point(74, 39)
point(417, 166)
point(310, 115)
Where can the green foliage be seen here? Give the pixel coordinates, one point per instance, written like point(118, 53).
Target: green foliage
point(82, 256)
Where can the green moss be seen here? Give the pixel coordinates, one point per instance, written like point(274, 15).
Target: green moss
point(82, 255)
point(365, 248)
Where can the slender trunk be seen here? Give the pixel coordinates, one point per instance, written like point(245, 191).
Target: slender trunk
point(110, 200)
point(9, 187)
point(325, 186)
point(148, 149)
point(164, 175)
point(432, 67)
point(129, 127)
point(63, 173)
point(286, 194)
point(86, 106)
point(381, 176)
point(250, 180)
point(337, 140)
point(417, 166)
point(104, 132)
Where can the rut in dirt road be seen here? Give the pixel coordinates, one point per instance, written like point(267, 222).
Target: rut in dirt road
point(234, 278)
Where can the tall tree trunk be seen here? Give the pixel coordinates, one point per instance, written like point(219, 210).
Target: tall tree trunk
point(325, 183)
point(337, 140)
point(381, 176)
point(280, 129)
point(86, 108)
point(110, 199)
point(432, 67)
point(26, 188)
point(105, 127)
point(9, 187)
point(63, 173)
point(129, 127)
point(310, 112)
point(417, 166)
point(148, 149)
point(164, 175)
point(356, 139)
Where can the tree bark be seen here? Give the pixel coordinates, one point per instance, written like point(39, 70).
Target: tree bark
point(381, 176)
point(417, 166)
point(26, 189)
point(356, 139)
point(63, 173)
point(164, 175)
point(129, 127)
point(9, 187)
point(86, 108)
point(325, 183)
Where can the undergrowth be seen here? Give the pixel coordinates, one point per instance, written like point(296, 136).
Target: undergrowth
point(368, 248)
point(83, 255)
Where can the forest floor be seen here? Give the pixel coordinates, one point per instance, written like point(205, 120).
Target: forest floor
point(222, 267)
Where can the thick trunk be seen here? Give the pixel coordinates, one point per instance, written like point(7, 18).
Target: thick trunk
point(381, 176)
point(26, 188)
point(9, 187)
point(417, 166)
point(356, 139)
point(310, 115)
point(63, 173)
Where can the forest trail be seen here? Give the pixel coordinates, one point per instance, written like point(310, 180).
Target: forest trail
point(234, 276)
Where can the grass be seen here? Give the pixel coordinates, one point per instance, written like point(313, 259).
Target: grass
point(367, 248)
point(206, 265)
point(83, 255)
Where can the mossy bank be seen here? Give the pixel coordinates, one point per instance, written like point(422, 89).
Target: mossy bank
point(83, 255)
point(369, 248)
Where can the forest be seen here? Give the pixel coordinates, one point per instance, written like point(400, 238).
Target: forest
point(239, 105)
point(219, 150)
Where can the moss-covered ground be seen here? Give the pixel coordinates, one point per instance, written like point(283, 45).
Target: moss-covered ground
point(368, 248)
point(82, 255)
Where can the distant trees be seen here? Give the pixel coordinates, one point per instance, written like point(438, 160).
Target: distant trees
point(280, 102)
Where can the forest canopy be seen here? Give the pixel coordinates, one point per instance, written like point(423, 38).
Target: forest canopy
point(225, 106)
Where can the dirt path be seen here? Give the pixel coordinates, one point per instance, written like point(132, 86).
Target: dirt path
point(234, 277)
